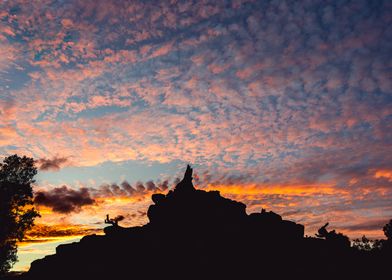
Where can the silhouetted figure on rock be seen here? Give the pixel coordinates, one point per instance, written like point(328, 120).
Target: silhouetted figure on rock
point(323, 232)
point(338, 239)
point(197, 234)
point(114, 222)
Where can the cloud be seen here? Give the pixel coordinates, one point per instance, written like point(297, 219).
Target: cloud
point(163, 185)
point(256, 92)
point(41, 232)
point(125, 189)
point(53, 164)
point(367, 226)
point(150, 186)
point(64, 199)
point(279, 84)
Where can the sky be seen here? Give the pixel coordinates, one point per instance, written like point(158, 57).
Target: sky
point(283, 105)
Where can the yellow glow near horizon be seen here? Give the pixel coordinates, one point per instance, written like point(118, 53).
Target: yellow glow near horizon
point(254, 189)
point(30, 251)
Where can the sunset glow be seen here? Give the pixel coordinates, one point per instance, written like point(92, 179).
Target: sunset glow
point(283, 105)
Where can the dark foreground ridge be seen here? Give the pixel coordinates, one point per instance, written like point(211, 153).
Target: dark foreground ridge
point(194, 234)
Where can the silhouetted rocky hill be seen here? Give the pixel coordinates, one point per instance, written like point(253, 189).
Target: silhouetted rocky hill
point(194, 234)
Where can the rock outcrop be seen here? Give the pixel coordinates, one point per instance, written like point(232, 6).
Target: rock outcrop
point(195, 234)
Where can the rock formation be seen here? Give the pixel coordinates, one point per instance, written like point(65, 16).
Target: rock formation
point(195, 234)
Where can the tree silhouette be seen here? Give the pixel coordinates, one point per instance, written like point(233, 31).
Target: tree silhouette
point(17, 213)
point(388, 230)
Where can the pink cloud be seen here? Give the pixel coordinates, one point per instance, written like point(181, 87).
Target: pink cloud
point(162, 50)
point(290, 105)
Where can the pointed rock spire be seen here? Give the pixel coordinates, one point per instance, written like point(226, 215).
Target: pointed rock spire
point(186, 182)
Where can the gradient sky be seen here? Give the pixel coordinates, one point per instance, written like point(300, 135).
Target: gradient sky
point(285, 105)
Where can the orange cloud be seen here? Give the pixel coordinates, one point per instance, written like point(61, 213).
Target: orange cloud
point(268, 112)
point(43, 232)
point(254, 189)
point(387, 174)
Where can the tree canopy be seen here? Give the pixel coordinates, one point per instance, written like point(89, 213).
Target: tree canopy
point(17, 213)
point(388, 230)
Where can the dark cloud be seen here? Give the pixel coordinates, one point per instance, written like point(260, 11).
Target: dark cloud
point(127, 187)
point(140, 187)
point(369, 225)
point(54, 163)
point(64, 199)
point(163, 185)
point(151, 186)
point(176, 181)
